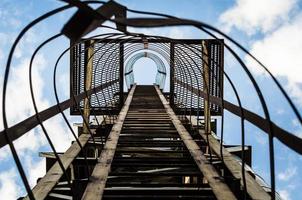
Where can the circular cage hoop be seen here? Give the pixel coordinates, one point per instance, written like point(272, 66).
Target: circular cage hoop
point(160, 77)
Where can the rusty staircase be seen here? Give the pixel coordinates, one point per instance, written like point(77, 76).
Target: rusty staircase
point(151, 160)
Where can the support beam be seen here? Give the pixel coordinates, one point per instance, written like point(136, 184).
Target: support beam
point(98, 178)
point(206, 86)
point(88, 82)
point(254, 190)
point(220, 189)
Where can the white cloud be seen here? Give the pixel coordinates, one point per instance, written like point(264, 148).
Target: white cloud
point(27, 144)
point(172, 32)
point(31, 142)
point(4, 38)
point(19, 107)
point(281, 52)
point(9, 189)
point(295, 89)
point(284, 195)
point(58, 133)
point(281, 46)
point(253, 15)
point(36, 169)
point(19, 103)
point(287, 174)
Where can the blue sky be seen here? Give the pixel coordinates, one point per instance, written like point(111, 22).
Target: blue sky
point(269, 29)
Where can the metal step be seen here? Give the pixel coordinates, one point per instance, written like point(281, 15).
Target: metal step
point(158, 193)
point(55, 196)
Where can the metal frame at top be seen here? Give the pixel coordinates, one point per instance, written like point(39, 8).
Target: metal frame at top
point(186, 65)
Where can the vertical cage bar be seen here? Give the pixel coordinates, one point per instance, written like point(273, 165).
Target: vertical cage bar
point(171, 97)
point(88, 82)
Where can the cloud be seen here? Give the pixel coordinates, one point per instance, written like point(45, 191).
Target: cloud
point(253, 15)
point(9, 189)
point(36, 169)
point(31, 142)
point(172, 32)
point(19, 103)
point(19, 107)
point(287, 174)
point(281, 51)
point(284, 195)
point(58, 133)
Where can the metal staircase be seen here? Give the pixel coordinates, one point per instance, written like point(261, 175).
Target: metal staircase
point(151, 162)
point(147, 144)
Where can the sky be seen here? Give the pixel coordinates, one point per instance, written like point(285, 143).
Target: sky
point(269, 29)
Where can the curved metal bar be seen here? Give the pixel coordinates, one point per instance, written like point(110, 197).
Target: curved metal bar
point(242, 48)
point(6, 74)
point(191, 80)
point(158, 48)
point(241, 114)
point(206, 87)
point(130, 64)
point(268, 126)
point(37, 112)
point(62, 113)
point(95, 69)
point(155, 22)
point(5, 82)
point(97, 65)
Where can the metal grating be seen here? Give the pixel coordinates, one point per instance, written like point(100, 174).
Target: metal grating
point(105, 69)
point(188, 68)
